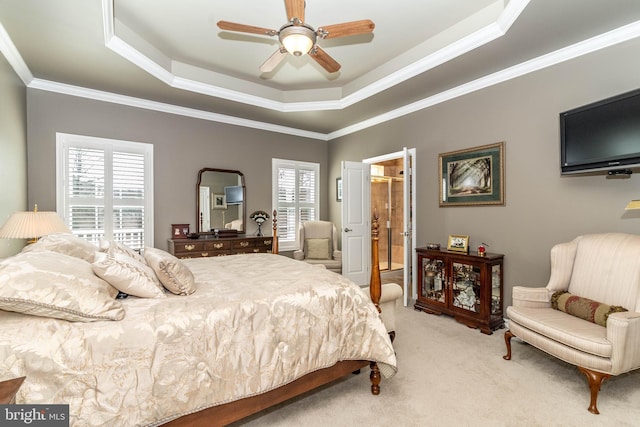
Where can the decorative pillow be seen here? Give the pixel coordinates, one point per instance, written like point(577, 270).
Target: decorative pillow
point(128, 275)
point(64, 243)
point(112, 247)
point(173, 274)
point(51, 284)
point(317, 248)
point(584, 308)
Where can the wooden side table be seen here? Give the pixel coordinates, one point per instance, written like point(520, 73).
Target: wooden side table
point(9, 389)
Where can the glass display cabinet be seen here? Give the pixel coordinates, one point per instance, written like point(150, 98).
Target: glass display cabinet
point(465, 286)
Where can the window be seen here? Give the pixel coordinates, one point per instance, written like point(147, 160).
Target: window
point(295, 187)
point(105, 189)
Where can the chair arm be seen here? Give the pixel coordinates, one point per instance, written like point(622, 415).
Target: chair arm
point(531, 297)
point(299, 255)
point(337, 255)
point(623, 331)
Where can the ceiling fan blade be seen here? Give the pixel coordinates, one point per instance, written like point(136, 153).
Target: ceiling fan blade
point(295, 9)
point(273, 61)
point(242, 28)
point(323, 58)
point(346, 29)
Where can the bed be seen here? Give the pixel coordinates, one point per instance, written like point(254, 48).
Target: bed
point(225, 338)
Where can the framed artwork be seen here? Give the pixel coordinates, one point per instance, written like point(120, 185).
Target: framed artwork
point(339, 189)
point(474, 176)
point(458, 243)
point(219, 201)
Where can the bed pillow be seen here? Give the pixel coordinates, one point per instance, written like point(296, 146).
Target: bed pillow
point(584, 308)
point(173, 274)
point(112, 247)
point(128, 275)
point(317, 248)
point(64, 243)
point(51, 284)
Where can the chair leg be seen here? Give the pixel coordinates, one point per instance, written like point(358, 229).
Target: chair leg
point(507, 340)
point(595, 380)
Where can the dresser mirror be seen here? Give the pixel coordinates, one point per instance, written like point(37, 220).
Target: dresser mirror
point(220, 200)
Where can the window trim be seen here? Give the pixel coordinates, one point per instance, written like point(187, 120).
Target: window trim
point(66, 140)
point(297, 165)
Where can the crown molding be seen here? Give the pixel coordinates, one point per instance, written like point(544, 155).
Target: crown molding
point(602, 41)
point(170, 76)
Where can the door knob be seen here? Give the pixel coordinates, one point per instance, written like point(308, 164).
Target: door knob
point(346, 230)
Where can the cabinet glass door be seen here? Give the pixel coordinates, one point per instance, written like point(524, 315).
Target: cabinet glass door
point(496, 305)
point(433, 280)
point(466, 285)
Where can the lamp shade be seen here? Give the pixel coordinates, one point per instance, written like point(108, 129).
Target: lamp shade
point(32, 225)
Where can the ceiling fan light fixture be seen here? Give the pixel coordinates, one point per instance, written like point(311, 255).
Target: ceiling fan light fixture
point(297, 39)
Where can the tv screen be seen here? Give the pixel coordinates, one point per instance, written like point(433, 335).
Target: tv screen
point(601, 136)
point(233, 194)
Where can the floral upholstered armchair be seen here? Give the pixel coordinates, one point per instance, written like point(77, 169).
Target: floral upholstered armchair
point(589, 313)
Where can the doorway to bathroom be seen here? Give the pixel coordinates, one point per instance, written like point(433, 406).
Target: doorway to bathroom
point(387, 199)
point(393, 196)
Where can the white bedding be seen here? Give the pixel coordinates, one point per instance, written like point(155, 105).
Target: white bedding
point(255, 322)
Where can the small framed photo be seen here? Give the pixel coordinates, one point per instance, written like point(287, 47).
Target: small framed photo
point(179, 231)
point(458, 243)
point(338, 189)
point(219, 201)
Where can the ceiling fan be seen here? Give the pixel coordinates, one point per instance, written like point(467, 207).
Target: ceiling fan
point(298, 38)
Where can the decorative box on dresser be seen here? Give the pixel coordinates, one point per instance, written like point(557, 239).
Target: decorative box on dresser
point(212, 246)
point(468, 287)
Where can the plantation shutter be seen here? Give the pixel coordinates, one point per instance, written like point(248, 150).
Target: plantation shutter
point(295, 198)
point(105, 189)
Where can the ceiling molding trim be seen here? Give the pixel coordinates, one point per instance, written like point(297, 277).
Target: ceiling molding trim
point(130, 101)
point(13, 57)
point(466, 44)
point(602, 41)
point(460, 47)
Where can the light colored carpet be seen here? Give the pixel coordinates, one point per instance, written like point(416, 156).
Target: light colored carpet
point(451, 375)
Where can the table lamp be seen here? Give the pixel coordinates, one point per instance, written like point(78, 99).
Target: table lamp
point(32, 225)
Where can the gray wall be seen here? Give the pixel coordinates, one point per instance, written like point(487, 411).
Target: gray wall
point(13, 151)
point(542, 207)
point(182, 146)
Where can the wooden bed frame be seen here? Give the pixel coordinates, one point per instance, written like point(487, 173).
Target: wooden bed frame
point(233, 411)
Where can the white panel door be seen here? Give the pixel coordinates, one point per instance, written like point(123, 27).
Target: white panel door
point(356, 224)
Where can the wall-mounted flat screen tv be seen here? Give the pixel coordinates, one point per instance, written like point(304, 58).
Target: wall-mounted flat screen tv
point(234, 194)
point(602, 136)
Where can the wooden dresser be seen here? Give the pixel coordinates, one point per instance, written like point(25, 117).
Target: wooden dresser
point(205, 247)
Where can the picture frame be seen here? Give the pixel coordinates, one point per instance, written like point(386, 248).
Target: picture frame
point(339, 189)
point(458, 243)
point(179, 231)
point(472, 177)
point(219, 201)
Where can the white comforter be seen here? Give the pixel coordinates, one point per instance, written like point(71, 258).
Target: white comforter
point(255, 322)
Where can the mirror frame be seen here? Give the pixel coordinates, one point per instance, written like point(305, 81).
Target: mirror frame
point(244, 198)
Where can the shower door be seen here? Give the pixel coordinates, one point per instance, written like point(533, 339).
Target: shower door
point(387, 198)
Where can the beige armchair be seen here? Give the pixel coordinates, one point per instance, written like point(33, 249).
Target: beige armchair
point(604, 268)
point(318, 241)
